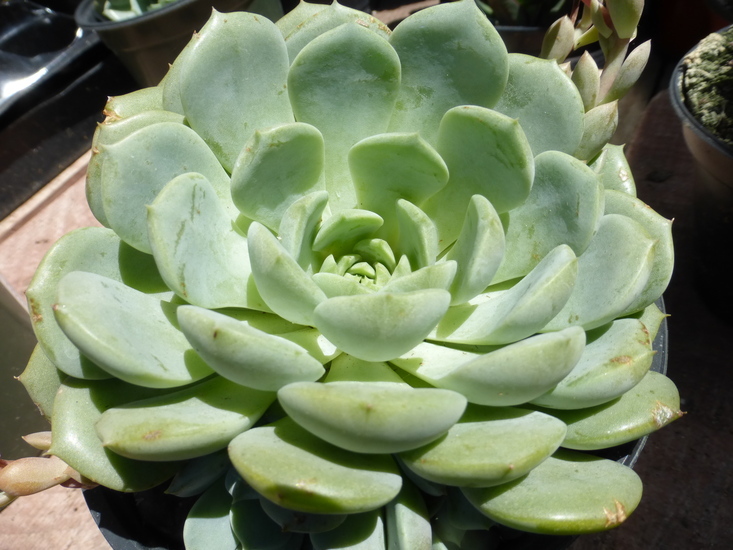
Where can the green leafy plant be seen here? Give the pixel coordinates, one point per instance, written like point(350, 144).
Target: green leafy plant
point(529, 13)
point(120, 10)
point(354, 285)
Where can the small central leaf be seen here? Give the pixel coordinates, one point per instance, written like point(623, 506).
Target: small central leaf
point(383, 325)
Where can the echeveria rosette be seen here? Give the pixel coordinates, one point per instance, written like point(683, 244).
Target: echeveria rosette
point(376, 267)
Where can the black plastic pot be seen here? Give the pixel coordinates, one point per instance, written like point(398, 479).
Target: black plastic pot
point(148, 43)
point(152, 520)
point(713, 201)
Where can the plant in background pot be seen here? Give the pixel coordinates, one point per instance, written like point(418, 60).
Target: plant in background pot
point(147, 36)
point(701, 89)
point(355, 287)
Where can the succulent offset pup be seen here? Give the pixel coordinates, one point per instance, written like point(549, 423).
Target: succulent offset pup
point(358, 283)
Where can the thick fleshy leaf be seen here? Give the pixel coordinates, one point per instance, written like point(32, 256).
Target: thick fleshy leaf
point(408, 521)
point(570, 190)
point(296, 470)
point(110, 131)
point(310, 20)
point(346, 74)
point(198, 474)
point(615, 359)
point(587, 78)
point(478, 251)
point(456, 41)
point(139, 101)
point(612, 274)
point(41, 379)
point(278, 166)
point(511, 375)
point(614, 171)
point(439, 275)
point(207, 524)
point(198, 252)
point(347, 368)
point(389, 167)
point(546, 102)
point(647, 407)
point(377, 417)
point(127, 333)
point(599, 125)
point(234, 81)
point(489, 446)
point(78, 406)
point(94, 250)
point(256, 531)
point(298, 227)
point(418, 237)
point(658, 228)
point(281, 282)
point(630, 72)
point(339, 233)
point(139, 166)
point(192, 422)
point(359, 532)
point(625, 15)
point(487, 154)
point(244, 354)
point(291, 521)
point(508, 315)
point(383, 325)
point(555, 498)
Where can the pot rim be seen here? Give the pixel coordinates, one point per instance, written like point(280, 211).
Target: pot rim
point(87, 17)
point(676, 95)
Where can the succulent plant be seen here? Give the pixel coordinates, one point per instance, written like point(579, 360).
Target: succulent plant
point(524, 12)
point(354, 285)
point(120, 10)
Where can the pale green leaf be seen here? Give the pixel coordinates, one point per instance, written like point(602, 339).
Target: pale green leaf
point(599, 125)
point(505, 316)
point(510, 375)
point(207, 524)
point(91, 249)
point(647, 407)
point(188, 423)
point(138, 167)
point(244, 354)
point(41, 379)
point(359, 532)
point(344, 82)
point(127, 333)
point(278, 166)
point(489, 446)
point(658, 228)
point(78, 406)
point(383, 325)
point(234, 81)
point(614, 171)
point(487, 154)
point(569, 493)
point(546, 103)
point(408, 522)
point(612, 274)
point(388, 167)
point(451, 55)
point(281, 282)
point(199, 253)
point(569, 190)
point(296, 470)
point(478, 252)
point(372, 417)
point(615, 359)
